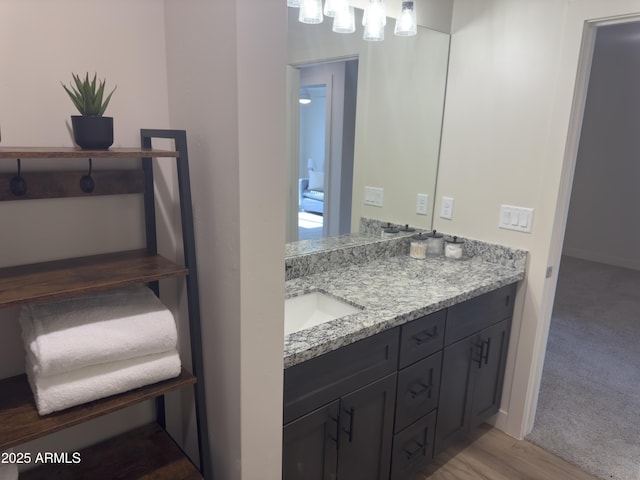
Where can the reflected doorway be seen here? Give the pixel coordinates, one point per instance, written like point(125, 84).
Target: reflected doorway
point(326, 139)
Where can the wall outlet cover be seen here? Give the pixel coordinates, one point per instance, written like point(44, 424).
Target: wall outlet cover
point(446, 208)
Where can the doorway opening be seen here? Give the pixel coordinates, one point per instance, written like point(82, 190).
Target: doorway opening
point(590, 390)
point(325, 137)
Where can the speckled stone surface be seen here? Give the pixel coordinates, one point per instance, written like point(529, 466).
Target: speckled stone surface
point(314, 256)
point(391, 291)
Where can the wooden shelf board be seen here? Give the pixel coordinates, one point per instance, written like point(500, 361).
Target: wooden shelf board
point(78, 276)
point(144, 453)
point(20, 421)
point(72, 152)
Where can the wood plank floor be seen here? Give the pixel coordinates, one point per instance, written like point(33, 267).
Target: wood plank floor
point(489, 454)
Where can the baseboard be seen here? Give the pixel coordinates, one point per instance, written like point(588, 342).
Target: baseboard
point(499, 421)
point(633, 263)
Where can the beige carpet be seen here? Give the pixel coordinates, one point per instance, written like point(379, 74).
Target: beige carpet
point(589, 405)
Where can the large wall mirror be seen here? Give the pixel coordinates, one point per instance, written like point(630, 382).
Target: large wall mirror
point(368, 141)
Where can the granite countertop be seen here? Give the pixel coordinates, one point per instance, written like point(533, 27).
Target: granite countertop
point(391, 291)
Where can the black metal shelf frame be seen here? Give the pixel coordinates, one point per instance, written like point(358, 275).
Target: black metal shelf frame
point(193, 301)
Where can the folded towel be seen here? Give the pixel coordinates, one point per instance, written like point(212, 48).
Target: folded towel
point(65, 335)
point(8, 471)
point(57, 392)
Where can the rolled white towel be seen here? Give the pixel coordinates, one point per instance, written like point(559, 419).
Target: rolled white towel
point(65, 335)
point(57, 392)
point(8, 471)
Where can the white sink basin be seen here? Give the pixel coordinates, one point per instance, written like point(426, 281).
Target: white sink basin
point(311, 309)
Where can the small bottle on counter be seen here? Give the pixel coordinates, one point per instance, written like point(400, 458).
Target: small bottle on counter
point(435, 243)
point(418, 246)
point(453, 248)
point(389, 231)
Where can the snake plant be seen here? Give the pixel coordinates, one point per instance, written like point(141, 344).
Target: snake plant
point(87, 95)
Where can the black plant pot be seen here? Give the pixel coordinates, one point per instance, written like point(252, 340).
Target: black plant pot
point(92, 133)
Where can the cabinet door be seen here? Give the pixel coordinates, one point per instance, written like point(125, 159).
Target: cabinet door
point(309, 449)
point(489, 372)
point(366, 423)
point(456, 386)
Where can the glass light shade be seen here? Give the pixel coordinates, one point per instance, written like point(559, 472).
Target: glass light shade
point(373, 32)
point(406, 23)
point(374, 13)
point(330, 7)
point(345, 20)
point(310, 11)
point(293, 3)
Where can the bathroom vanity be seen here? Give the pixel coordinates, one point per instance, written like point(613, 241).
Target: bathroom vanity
point(377, 393)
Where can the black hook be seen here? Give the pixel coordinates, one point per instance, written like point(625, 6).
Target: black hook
point(86, 181)
point(18, 184)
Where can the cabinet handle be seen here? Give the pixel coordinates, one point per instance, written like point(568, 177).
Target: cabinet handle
point(420, 389)
point(349, 431)
point(485, 356)
point(425, 335)
point(484, 353)
point(411, 454)
point(335, 439)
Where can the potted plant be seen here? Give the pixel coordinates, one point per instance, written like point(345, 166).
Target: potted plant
point(91, 130)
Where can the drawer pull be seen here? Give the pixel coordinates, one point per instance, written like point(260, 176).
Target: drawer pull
point(425, 335)
point(416, 450)
point(418, 389)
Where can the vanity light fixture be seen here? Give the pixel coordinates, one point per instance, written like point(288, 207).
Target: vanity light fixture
point(310, 11)
point(345, 18)
point(406, 23)
point(305, 98)
point(330, 7)
point(374, 20)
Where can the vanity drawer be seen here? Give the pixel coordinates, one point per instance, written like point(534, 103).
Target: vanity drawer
point(418, 390)
point(413, 447)
point(318, 381)
point(422, 337)
point(471, 316)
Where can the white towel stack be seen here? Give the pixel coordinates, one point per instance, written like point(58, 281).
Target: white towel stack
point(85, 348)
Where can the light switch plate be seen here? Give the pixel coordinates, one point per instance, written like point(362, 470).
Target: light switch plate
point(422, 204)
point(519, 219)
point(373, 196)
point(446, 208)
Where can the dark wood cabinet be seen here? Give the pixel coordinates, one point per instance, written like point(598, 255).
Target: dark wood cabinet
point(366, 428)
point(473, 367)
point(310, 445)
point(348, 438)
point(382, 407)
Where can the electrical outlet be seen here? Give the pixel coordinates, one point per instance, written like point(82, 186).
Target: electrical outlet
point(373, 196)
point(422, 204)
point(446, 208)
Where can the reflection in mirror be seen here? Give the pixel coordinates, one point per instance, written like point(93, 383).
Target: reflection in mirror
point(383, 105)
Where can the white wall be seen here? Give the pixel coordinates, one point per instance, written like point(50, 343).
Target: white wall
point(506, 133)
point(41, 43)
point(222, 57)
point(603, 223)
